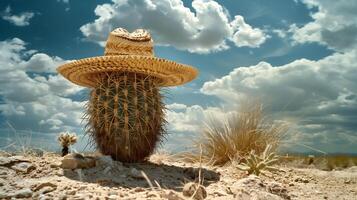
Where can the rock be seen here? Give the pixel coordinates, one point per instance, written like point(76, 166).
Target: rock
point(112, 197)
point(252, 187)
point(71, 192)
point(301, 180)
point(104, 161)
point(252, 181)
point(278, 189)
point(135, 173)
point(24, 193)
point(77, 161)
point(107, 170)
point(9, 161)
point(170, 195)
point(63, 197)
point(55, 165)
point(46, 189)
point(194, 190)
point(4, 195)
point(45, 184)
point(24, 167)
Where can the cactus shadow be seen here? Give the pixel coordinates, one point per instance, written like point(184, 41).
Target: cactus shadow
point(167, 176)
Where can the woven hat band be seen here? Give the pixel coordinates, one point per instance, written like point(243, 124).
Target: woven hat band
point(123, 43)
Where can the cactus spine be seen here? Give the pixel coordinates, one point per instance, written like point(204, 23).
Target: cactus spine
point(125, 116)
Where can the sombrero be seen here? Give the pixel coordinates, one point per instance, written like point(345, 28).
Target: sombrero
point(128, 52)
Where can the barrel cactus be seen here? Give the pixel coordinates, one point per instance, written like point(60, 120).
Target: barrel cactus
point(125, 111)
point(126, 117)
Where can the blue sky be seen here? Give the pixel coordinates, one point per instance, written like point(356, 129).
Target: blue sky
point(298, 57)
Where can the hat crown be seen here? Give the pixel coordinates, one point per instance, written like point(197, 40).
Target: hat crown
point(122, 42)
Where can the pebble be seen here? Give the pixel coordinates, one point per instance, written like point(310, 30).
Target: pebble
point(45, 184)
point(107, 170)
point(24, 193)
point(135, 173)
point(190, 188)
point(46, 189)
point(112, 197)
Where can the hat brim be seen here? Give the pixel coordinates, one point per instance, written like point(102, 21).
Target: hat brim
point(168, 73)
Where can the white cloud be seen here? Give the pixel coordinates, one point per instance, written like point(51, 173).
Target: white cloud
point(34, 97)
point(318, 96)
point(41, 62)
point(22, 19)
point(171, 23)
point(183, 118)
point(246, 35)
point(334, 25)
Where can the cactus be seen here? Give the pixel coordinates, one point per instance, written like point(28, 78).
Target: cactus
point(256, 164)
point(125, 116)
point(66, 139)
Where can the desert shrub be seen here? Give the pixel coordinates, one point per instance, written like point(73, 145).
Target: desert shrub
point(235, 136)
point(258, 164)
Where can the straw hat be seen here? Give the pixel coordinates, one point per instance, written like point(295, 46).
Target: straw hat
point(128, 52)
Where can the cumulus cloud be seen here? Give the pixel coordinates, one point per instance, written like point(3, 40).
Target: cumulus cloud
point(333, 25)
point(246, 35)
point(318, 96)
point(22, 19)
point(171, 23)
point(33, 96)
point(183, 118)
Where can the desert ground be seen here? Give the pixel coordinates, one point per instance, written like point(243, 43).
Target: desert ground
point(50, 176)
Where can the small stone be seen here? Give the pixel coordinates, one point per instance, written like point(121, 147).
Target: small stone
point(278, 189)
point(4, 195)
point(291, 184)
point(107, 170)
point(301, 180)
point(112, 197)
point(139, 189)
point(44, 184)
point(24, 167)
point(55, 165)
point(24, 193)
point(62, 197)
point(71, 192)
point(348, 181)
point(46, 189)
point(112, 193)
point(83, 187)
point(189, 190)
point(170, 195)
point(135, 173)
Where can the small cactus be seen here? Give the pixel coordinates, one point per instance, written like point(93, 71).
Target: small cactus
point(66, 140)
point(256, 164)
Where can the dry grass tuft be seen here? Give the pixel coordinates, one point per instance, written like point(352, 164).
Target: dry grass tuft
point(236, 136)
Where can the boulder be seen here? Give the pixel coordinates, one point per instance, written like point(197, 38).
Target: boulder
point(24, 167)
point(77, 161)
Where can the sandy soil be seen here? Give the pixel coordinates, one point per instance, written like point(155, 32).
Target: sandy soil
point(41, 177)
